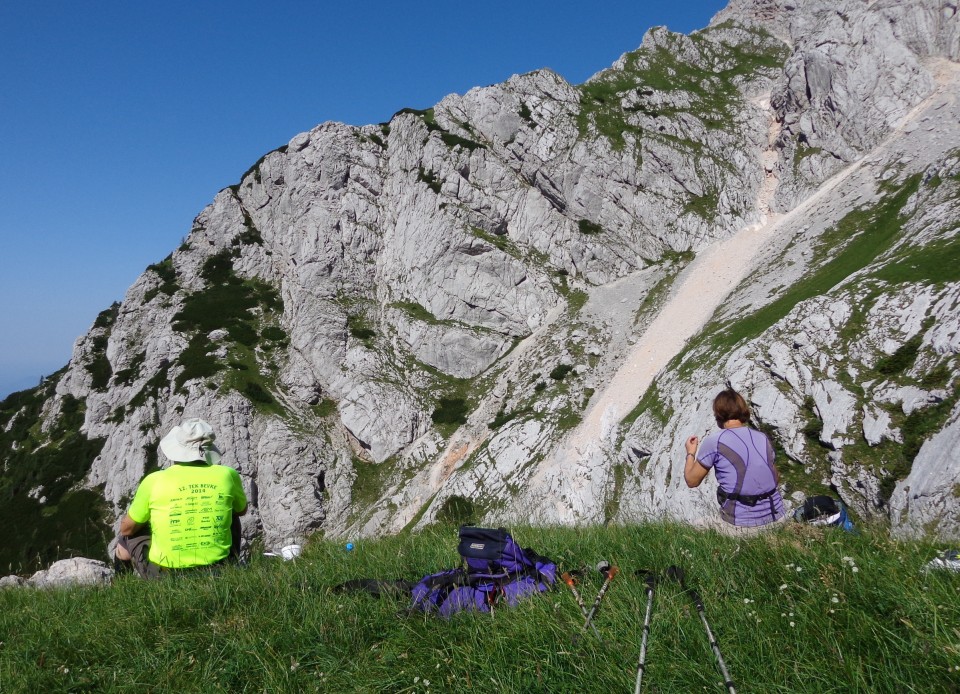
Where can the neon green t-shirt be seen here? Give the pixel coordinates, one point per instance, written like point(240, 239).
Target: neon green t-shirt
point(189, 507)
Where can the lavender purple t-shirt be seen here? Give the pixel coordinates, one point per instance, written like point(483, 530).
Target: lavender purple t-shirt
point(742, 459)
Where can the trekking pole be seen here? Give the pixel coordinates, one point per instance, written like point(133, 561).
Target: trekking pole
point(676, 573)
point(568, 579)
point(609, 573)
point(651, 580)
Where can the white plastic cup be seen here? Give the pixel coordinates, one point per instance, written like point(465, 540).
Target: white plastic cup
point(290, 552)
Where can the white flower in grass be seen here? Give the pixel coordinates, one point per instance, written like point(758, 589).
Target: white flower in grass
point(834, 599)
point(854, 569)
point(799, 569)
point(783, 587)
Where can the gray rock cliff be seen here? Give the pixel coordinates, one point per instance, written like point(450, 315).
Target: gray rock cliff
point(514, 306)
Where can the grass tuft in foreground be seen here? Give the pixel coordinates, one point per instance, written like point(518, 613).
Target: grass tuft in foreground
point(803, 610)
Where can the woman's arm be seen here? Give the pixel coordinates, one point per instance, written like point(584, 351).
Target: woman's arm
point(693, 471)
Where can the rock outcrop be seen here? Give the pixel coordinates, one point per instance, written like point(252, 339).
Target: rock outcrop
point(453, 315)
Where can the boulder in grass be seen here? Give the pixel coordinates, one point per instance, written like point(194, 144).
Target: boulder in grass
point(78, 571)
point(12, 581)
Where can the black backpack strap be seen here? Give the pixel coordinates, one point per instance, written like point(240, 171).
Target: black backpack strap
point(374, 586)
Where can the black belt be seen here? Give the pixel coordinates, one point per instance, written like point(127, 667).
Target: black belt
point(745, 499)
point(748, 499)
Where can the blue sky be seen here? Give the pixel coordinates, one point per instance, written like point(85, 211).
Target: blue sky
point(120, 121)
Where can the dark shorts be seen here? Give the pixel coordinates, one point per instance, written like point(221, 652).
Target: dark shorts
point(138, 546)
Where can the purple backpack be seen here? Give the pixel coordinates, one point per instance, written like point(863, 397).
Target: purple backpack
point(495, 571)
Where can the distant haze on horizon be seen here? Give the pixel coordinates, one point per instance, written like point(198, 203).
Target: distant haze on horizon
point(121, 121)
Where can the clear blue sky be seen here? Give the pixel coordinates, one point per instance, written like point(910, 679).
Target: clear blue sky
point(119, 121)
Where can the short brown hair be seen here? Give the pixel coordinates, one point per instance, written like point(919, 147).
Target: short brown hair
point(729, 404)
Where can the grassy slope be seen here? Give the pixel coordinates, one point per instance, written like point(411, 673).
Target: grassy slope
point(278, 627)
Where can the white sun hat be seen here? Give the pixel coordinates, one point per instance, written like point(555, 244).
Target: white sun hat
point(191, 440)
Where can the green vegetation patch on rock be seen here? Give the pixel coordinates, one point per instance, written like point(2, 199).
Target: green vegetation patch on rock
point(168, 279)
point(850, 246)
point(237, 306)
point(710, 88)
point(45, 514)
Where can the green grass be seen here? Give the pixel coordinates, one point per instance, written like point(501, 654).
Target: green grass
point(417, 312)
point(458, 510)
point(576, 300)
point(325, 408)
point(279, 627)
point(938, 262)
point(368, 484)
point(500, 241)
point(704, 206)
point(651, 403)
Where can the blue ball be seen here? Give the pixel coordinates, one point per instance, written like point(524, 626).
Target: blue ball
point(349, 546)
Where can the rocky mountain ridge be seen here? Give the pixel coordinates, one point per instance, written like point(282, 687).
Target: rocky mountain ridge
point(435, 317)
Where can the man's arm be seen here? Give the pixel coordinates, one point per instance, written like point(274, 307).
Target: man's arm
point(128, 526)
point(238, 493)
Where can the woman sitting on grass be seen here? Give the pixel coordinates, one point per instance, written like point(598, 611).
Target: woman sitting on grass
point(743, 460)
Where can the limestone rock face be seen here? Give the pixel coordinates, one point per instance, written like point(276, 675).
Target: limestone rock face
point(514, 306)
point(923, 503)
point(855, 71)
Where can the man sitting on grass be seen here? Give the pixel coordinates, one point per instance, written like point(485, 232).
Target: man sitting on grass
point(186, 515)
